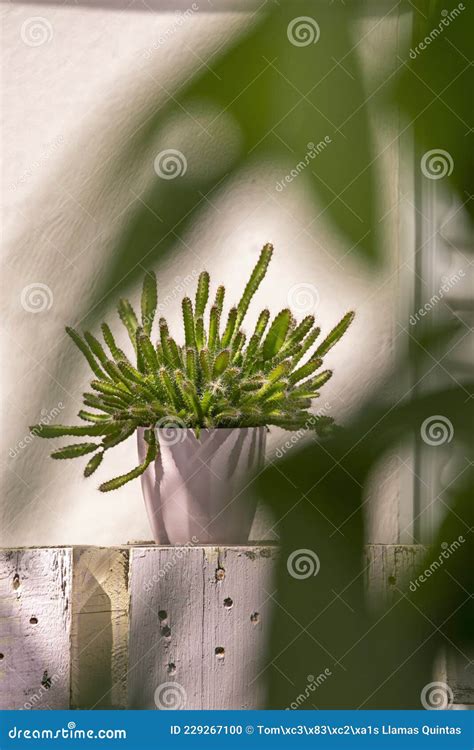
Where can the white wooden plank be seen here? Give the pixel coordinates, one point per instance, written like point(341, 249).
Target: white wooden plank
point(35, 621)
point(390, 567)
point(455, 668)
point(99, 633)
point(460, 674)
point(264, 527)
point(196, 636)
point(198, 626)
point(238, 584)
point(166, 626)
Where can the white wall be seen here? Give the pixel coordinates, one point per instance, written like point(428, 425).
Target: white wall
point(70, 106)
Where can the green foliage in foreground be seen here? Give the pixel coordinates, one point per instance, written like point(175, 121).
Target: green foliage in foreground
point(218, 378)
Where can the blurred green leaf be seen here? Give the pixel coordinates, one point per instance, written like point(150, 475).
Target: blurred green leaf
point(437, 76)
point(324, 621)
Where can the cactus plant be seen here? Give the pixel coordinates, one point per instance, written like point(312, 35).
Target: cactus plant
point(218, 378)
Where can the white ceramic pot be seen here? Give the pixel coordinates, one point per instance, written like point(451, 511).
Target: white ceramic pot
point(200, 490)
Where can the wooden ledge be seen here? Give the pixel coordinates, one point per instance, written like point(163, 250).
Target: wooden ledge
point(104, 627)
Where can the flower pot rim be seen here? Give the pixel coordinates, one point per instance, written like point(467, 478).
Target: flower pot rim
point(203, 429)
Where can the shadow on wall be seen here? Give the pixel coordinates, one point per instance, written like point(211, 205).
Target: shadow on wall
point(99, 629)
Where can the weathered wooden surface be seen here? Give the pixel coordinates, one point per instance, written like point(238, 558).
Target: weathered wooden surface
point(238, 583)
point(166, 612)
point(460, 675)
point(35, 624)
point(198, 626)
point(158, 627)
point(99, 633)
point(389, 568)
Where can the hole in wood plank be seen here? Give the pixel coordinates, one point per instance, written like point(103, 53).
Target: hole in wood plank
point(171, 668)
point(33, 620)
point(219, 652)
point(255, 617)
point(16, 581)
point(1, 657)
point(162, 614)
point(392, 580)
point(166, 632)
point(46, 680)
point(220, 574)
point(228, 603)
